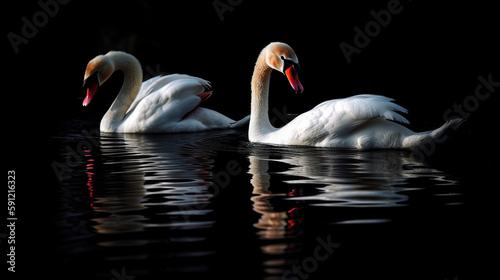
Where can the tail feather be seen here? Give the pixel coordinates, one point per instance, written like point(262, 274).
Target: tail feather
point(243, 123)
point(450, 124)
point(438, 135)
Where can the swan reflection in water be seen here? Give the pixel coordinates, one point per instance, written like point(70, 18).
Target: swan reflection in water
point(287, 179)
point(142, 185)
point(154, 174)
point(343, 177)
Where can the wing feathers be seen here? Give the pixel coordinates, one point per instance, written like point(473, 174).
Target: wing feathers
point(338, 117)
point(365, 106)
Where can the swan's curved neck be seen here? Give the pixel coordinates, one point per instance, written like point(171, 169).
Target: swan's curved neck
point(131, 85)
point(259, 119)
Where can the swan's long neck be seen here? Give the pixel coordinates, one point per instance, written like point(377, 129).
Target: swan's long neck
point(259, 119)
point(131, 85)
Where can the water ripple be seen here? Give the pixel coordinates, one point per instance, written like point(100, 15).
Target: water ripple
point(165, 197)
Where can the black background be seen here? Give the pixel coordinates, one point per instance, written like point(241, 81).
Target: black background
point(428, 58)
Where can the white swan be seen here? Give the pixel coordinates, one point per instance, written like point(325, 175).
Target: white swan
point(360, 122)
point(161, 104)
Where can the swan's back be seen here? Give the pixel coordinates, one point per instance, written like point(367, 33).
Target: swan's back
point(164, 101)
point(160, 84)
point(334, 123)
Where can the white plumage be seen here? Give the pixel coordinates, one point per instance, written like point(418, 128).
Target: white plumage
point(170, 104)
point(161, 104)
point(360, 122)
point(333, 123)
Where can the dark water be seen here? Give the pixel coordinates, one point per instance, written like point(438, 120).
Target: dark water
point(211, 205)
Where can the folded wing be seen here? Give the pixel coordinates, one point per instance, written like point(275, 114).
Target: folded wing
point(339, 117)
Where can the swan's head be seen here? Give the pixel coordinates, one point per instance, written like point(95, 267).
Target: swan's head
point(282, 58)
point(98, 71)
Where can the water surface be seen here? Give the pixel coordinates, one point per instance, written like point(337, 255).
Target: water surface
point(210, 205)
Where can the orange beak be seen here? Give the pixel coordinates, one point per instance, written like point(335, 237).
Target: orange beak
point(293, 77)
point(90, 94)
point(92, 84)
